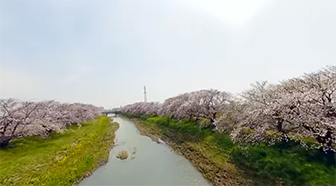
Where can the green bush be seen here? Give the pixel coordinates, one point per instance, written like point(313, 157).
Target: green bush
point(285, 162)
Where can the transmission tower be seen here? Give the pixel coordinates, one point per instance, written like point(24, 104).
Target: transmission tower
point(145, 96)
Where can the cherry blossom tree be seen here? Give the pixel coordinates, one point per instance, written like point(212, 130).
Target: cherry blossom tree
point(143, 108)
point(301, 107)
point(189, 109)
point(211, 102)
point(19, 118)
point(170, 107)
point(297, 108)
point(315, 112)
point(15, 115)
point(199, 104)
point(204, 103)
point(231, 115)
point(165, 107)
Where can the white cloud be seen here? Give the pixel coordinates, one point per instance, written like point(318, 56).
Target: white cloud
point(234, 12)
point(77, 66)
point(17, 83)
point(104, 52)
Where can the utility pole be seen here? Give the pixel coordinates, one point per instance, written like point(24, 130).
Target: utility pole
point(145, 96)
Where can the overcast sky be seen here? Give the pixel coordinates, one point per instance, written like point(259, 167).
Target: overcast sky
point(104, 52)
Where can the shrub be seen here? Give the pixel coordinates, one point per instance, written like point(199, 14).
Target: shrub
point(122, 155)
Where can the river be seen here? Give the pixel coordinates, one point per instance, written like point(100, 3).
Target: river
point(149, 163)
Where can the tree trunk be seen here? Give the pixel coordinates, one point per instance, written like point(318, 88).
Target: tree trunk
point(214, 115)
point(211, 120)
point(326, 141)
point(190, 117)
point(280, 129)
point(4, 142)
point(197, 119)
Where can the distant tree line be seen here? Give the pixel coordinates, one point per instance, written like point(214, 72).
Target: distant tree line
point(25, 118)
point(295, 109)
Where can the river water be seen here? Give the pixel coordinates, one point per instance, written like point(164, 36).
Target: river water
point(148, 163)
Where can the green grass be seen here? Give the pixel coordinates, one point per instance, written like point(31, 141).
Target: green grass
point(61, 159)
point(217, 157)
point(289, 165)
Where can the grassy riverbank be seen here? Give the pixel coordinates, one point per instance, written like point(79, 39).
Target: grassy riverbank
point(225, 163)
point(61, 159)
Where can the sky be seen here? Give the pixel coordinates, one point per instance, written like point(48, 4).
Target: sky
point(104, 52)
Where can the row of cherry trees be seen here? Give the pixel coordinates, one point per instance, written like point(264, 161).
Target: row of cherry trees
point(143, 108)
point(24, 118)
point(293, 109)
point(296, 108)
point(199, 104)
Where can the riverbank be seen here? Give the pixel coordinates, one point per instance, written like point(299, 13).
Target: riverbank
point(224, 163)
point(213, 165)
point(61, 159)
